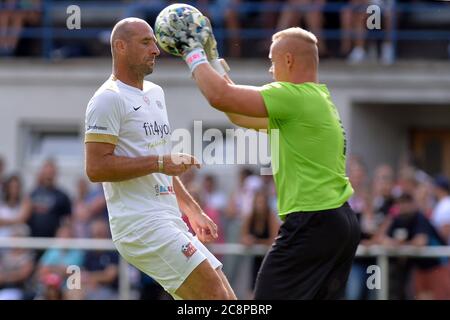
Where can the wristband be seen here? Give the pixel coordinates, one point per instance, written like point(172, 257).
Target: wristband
point(195, 58)
point(160, 163)
point(220, 65)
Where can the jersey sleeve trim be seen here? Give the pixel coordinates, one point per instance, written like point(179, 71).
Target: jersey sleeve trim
point(98, 137)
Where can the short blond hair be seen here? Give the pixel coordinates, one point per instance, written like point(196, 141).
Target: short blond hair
point(297, 33)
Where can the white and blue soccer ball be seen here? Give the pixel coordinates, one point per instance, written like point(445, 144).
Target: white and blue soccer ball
point(177, 25)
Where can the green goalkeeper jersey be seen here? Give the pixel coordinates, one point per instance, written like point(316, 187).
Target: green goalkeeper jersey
point(308, 158)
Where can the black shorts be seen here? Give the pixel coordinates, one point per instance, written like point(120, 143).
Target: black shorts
point(311, 257)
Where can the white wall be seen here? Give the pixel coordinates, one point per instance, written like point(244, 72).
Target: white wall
point(49, 93)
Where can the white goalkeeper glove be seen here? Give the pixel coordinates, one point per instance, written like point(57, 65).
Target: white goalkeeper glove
point(197, 45)
point(189, 39)
point(210, 47)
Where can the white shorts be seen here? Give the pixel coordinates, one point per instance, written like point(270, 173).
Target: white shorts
point(168, 253)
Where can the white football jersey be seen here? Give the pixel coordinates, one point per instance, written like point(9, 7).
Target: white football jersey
point(136, 123)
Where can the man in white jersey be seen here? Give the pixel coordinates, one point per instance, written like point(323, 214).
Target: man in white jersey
point(128, 149)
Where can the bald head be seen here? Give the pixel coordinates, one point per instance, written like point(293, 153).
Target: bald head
point(295, 52)
point(133, 48)
point(300, 43)
point(125, 29)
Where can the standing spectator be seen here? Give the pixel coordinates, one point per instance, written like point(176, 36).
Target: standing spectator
point(425, 198)
point(441, 212)
point(47, 204)
point(406, 181)
point(411, 227)
point(259, 227)
point(382, 185)
point(100, 267)
point(10, 207)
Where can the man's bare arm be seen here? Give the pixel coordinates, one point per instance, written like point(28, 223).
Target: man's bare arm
point(227, 97)
point(103, 166)
point(187, 204)
point(203, 226)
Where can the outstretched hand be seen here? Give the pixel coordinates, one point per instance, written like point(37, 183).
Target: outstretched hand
point(177, 163)
point(204, 227)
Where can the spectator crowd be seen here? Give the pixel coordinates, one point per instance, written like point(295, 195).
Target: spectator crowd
point(407, 207)
point(243, 27)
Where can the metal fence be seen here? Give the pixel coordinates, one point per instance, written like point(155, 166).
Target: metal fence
point(381, 253)
point(51, 9)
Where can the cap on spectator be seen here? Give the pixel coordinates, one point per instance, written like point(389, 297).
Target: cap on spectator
point(442, 182)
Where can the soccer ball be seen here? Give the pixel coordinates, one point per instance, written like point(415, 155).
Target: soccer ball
point(179, 24)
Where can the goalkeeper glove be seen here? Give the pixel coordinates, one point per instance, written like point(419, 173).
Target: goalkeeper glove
point(210, 47)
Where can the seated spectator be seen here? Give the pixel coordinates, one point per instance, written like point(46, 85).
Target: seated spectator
point(293, 12)
point(16, 267)
point(146, 10)
point(100, 268)
point(56, 261)
point(14, 14)
point(234, 16)
point(353, 27)
point(224, 15)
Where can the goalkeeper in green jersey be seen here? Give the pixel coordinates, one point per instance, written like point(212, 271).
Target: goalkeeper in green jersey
point(313, 253)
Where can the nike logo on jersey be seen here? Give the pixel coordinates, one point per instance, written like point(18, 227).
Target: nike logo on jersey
point(136, 109)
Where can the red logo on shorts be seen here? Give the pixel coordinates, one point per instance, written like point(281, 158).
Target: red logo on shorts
point(188, 249)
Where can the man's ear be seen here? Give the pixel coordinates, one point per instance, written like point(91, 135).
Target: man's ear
point(288, 59)
point(120, 46)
